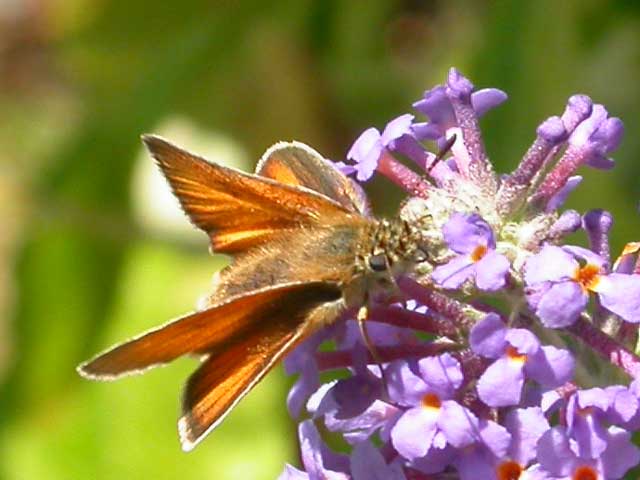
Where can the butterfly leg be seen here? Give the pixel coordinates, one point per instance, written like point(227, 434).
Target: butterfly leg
point(361, 317)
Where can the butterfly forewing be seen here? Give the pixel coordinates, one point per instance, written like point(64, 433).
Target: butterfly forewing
point(238, 210)
point(234, 368)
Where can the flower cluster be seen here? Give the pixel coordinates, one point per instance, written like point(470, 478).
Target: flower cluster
point(512, 355)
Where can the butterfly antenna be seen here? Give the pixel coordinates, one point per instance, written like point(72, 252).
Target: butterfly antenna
point(446, 148)
point(363, 314)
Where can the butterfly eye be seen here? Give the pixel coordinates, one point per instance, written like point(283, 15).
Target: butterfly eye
point(378, 263)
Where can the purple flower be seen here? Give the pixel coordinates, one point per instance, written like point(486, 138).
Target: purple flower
point(519, 356)
point(472, 238)
point(367, 463)
point(526, 426)
point(436, 105)
point(559, 461)
point(560, 284)
point(597, 136)
point(479, 460)
point(588, 412)
point(302, 361)
point(371, 144)
point(354, 407)
point(319, 462)
point(433, 419)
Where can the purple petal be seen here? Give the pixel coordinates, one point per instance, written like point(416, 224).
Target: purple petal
point(367, 463)
point(464, 233)
point(355, 394)
point(501, 383)
point(377, 416)
point(413, 434)
point(436, 460)
point(578, 109)
point(292, 473)
point(458, 86)
point(321, 401)
point(311, 450)
point(437, 107)
point(485, 99)
point(405, 387)
point(554, 453)
point(585, 254)
point(454, 273)
point(552, 130)
point(620, 294)
point(345, 168)
point(594, 397)
point(426, 131)
point(474, 464)
point(581, 136)
point(601, 162)
point(411, 148)
point(495, 437)
point(491, 271)
point(367, 141)
point(442, 374)
point(396, 128)
point(621, 454)
point(624, 404)
point(557, 200)
point(609, 135)
point(589, 434)
point(550, 366)
point(366, 152)
point(570, 221)
point(524, 341)
point(487, 337)
point(561, 305)
point(550, 264)
point(526, 426)
point(458, 423)
point(307, 383)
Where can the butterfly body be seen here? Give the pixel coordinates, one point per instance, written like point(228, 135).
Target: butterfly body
point(305, 249)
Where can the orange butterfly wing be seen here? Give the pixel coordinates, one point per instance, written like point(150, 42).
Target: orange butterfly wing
point(198, 332)
point(238, 210)
point(233, 369)
point(295, 163)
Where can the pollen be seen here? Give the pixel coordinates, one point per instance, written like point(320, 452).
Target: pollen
point(509, 470)
point(515, 356)
point(588, 276)
point(584, 473)
point(431, 401)
point(478, 252)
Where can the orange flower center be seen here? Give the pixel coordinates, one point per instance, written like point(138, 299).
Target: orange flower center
point(588, 276)
point(431, 401)
point(478, 252)
point(509, 470)
point(584, 473)
point(515, 356)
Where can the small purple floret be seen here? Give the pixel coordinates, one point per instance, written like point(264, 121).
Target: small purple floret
point(472, 238)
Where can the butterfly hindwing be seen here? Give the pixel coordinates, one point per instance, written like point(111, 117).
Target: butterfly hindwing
point(233, 369)
point(295, 163)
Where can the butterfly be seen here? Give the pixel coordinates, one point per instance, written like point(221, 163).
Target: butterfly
point(305, 250)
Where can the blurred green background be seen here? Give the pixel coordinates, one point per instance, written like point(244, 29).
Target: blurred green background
point(93, 251)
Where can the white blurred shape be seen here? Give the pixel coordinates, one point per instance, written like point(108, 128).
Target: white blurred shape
point(155, 207)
